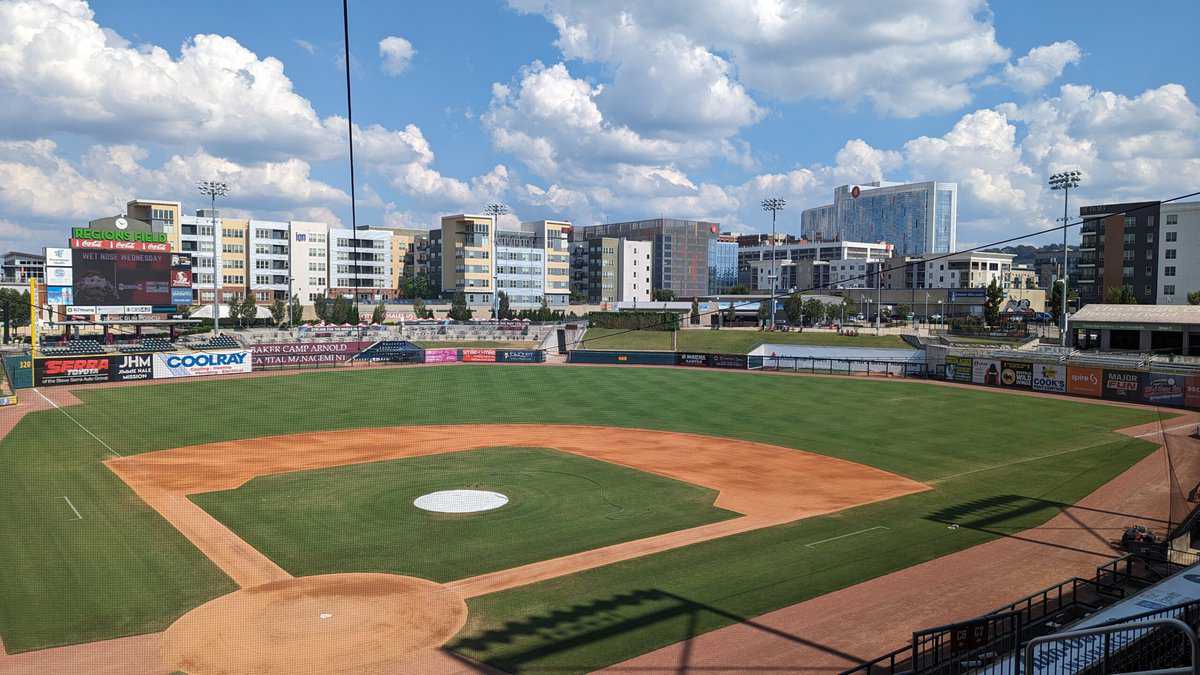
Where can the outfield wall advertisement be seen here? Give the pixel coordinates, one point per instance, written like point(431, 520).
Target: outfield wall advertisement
point(202, 363)
point(1085, 381)
point(958, 368)
point(985, 371)
point(50, 372)
point(479, 355)
point(279, 354)
point(1050, 377)
point(1016, 374)
point(1122, 385)
point(441, 355)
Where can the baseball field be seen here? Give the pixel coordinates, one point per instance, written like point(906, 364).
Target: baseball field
point(644, 505)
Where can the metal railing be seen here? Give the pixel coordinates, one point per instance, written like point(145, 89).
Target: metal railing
point(836, 366)
point(1162, 646)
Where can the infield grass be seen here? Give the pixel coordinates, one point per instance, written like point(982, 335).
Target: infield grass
point(728, 341)
point(361, 518)
point(124, 570)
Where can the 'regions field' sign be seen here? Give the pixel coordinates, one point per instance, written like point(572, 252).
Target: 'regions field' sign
point(118, 235)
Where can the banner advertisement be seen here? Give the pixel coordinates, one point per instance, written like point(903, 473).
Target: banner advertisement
point(110, 309)
point(518, 356)
point(276, 354)
point(985, 371)
point(479, 355)
point(1084, 381)
point(736, 361)
point(958, 368)
point(1122, 385)
point(81, 310)
point(441, 355)
point(1191, 392)
point(1162, 389)
point(58, 276)
point(181, 296)
point(78, 370)
point(202, 363)
point(1049, 377)
point(691, 359)
point(1016, 374)
point(58, 257)
point(391, 351)
point(59, 295)
point(106, 245)
point(130, 367)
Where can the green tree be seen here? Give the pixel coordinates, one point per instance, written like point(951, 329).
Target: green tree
point(415, 287)
point(1054, 304)
point(235, 310)
point(695, 319)
point(420, 311)
point(731, 313)
point(458, 307)
point(814, 311)
point(14, 309)
point(739, 290)
point(249, 309)
point(764, 311)
point(379, 313)
point(902, 311)
point(578, 298)
point(849, 306)
point(339, 312)
point(991, 305)
point(1194, 298)
point(295, 311)
point(279, 312)
point(322, 308)
point(793, 308)
point(1120, 296)
point(506, 311)
point(664, 295)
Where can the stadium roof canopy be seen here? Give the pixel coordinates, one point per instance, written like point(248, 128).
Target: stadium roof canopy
point(1138, 314)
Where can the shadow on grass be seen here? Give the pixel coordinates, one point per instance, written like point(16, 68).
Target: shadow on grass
point(544, 635)
point(1005, 515)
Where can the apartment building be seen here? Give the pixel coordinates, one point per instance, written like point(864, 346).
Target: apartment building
point(269, 271)
point(1179, 252)
point(754, 261)
point(467, 255)
point(612, 269)
point(308, 258)
point(18, 267)
point(680, 249)
point(529, 262)
point(360, 264)
point(970, 270)
point(1119, 248)
point(163, 215)
point(196, 237)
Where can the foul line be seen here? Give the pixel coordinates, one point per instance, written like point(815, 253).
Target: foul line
point(89, 432)
point(73, 508)
point(843, 536)
point(1163, 431)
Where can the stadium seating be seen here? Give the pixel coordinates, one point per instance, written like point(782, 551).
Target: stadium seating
point(148, 345)
point(73, 347)
point(220, 342)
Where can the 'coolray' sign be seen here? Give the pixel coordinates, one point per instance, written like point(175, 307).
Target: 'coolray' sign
point(202, 363)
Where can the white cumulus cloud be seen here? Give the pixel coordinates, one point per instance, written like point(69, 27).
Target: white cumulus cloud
point(396, 54)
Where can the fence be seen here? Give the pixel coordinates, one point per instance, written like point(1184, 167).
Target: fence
point(813, 364)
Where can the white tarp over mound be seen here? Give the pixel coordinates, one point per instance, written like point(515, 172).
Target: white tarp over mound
point(460, 501)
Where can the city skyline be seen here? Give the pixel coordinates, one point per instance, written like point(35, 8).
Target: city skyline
point(550, 118)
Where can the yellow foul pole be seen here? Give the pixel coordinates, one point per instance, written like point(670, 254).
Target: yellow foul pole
point(33, 317)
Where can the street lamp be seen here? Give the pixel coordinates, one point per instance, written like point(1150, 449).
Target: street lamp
point(213, 189)
point(495, 210)
point(1065, 180)
point(774, 205)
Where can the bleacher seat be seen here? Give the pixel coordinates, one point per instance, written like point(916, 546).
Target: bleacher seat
point(73, 348)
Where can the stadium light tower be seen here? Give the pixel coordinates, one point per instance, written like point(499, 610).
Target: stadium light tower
point(495, 210)
point(774, 205)
point(1065, 180)
point(213, 189)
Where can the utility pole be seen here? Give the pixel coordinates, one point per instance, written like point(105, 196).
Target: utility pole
point(495, 210)
point(774, 205)
point(213, 189)
point(1065, 180)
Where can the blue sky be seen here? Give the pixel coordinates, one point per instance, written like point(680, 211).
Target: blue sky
point(590, 111)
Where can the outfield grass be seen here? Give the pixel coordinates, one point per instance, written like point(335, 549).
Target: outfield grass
point(123, 570)
point(728, 341)
point(558, 504)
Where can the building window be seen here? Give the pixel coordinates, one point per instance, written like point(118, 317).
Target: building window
point(1169, 289)
point(1170, 254)
point(1130, 221)
point(1168, 271)
point(1172, 219)
point(1149, 237)
point(1149, 254)
point(1171, 236)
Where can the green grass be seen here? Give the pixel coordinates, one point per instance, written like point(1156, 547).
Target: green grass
point(728, 341)
point(469, 344)
point(124, 570)
point(360, 518)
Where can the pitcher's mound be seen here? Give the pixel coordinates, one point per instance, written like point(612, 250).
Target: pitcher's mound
point(320, 624)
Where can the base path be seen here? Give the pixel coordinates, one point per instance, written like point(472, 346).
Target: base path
point(842, 629)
